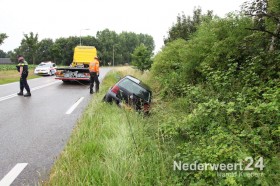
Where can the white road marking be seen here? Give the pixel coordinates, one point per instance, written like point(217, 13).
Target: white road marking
point(42, 86)
point(8, 97)
point(13, 174)
point(32, 89)
point(71, 109)
point(8, 84)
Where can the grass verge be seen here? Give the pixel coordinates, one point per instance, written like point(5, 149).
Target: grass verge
point(10, 76)
point(112, 146)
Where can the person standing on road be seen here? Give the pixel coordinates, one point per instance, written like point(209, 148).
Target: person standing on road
point(22, 68)
point(94, 74)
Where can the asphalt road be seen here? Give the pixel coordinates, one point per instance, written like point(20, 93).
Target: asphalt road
point(34, 130)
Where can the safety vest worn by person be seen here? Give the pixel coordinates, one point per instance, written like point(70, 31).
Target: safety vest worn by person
point(94, 66)
point(23, 64)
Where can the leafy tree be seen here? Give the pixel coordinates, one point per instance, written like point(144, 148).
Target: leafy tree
point(12, 55)
point(147, 40)
point(2, 54)
point(226, 43)
point(110, 46)
point(186, 26)
point(141, 58)
point(63, 50)
point(44, 52)
point(119, 47)
point(184, 62)
point(167, 67)
point(3, 36)
point(29, 46)
point(90, 41)
point(128, 42)
point(107, 40)
point(266, 15)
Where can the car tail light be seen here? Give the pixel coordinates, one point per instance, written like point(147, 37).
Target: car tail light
point(115, 89)
point(146, 107)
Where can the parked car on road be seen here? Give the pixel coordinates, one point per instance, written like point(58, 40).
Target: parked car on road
point(132, 92)
point(45, 68)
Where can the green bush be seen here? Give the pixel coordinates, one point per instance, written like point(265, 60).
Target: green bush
point(224, 93)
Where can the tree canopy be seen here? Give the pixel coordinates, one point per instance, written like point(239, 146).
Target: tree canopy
point(266, 16)
point(3, 36)
point(29, 46)
point(141, 58)
point(186, 26)
point(110, 46)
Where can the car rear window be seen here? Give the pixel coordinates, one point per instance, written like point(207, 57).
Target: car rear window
point(135, 89)
point(44, 65)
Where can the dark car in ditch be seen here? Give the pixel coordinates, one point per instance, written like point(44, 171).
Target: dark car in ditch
point(132, 92)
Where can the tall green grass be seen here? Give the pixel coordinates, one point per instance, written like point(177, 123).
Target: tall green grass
point(10, 76)
point(112, 146)
point(5, 67)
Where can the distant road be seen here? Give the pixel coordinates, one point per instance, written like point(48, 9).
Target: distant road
point(33, 131)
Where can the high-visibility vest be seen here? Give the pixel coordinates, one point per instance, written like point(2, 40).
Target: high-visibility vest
point(23, 64)
point(94, 66)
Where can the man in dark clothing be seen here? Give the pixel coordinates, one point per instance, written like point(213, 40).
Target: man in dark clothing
point(22, 68)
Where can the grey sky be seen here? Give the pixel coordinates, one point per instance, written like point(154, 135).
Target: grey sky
point(63, 18)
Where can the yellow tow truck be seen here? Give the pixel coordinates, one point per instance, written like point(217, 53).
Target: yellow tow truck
point(78, 70)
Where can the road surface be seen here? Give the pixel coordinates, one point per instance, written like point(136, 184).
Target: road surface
point(34, 130)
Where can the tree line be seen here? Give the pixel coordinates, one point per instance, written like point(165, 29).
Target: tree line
point(111, 46)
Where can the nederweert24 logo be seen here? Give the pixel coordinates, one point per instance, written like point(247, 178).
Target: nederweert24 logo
point(247, 164)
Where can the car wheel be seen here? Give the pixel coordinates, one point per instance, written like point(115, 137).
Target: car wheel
point(107, 98)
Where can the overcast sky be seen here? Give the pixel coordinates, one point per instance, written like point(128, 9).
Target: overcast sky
point(63, 18)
